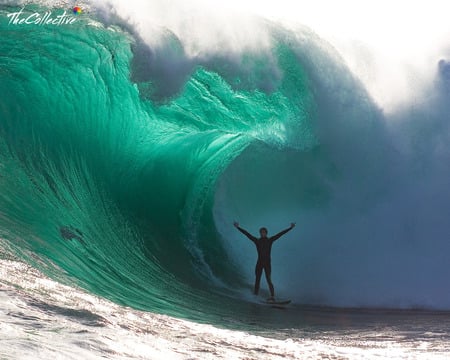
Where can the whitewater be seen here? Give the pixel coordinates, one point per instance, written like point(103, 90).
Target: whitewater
point(133, 135)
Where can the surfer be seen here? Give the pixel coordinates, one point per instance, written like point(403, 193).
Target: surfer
point(264, 247)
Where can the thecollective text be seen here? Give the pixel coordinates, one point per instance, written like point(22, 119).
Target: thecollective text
point(18, 18)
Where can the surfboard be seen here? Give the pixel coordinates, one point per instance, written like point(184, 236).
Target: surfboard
point(276, 302)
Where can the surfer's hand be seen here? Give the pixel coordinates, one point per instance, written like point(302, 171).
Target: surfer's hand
point(236, 224)
point(292, 225)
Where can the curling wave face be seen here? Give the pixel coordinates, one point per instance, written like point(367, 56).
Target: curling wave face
point(126, 182)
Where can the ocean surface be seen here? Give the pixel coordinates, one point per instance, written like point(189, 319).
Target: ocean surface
point(132, 137)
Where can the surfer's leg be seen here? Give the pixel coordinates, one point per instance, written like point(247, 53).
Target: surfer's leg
point(268, 272)
point(258, 273)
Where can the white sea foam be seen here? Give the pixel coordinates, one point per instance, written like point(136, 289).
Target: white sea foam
point(42, 319)
point(392, 48)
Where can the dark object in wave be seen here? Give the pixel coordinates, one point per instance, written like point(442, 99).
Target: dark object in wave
point(69, 233)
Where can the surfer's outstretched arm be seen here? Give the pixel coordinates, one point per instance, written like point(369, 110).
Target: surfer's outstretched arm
point(281, 233)
point(245, 232)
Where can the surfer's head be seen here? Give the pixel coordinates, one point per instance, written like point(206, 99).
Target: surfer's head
point(263, 232)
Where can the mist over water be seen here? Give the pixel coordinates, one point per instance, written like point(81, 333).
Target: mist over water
point(371, 205)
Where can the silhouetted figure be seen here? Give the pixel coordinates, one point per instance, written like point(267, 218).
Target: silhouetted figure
point(264, 248)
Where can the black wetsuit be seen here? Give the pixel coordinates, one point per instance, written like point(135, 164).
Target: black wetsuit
point(264, 248)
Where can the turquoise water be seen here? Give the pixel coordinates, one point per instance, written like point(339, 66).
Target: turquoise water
point(134, 177)
point(126, 183)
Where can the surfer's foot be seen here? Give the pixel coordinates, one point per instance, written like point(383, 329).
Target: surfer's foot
point(271, 299)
